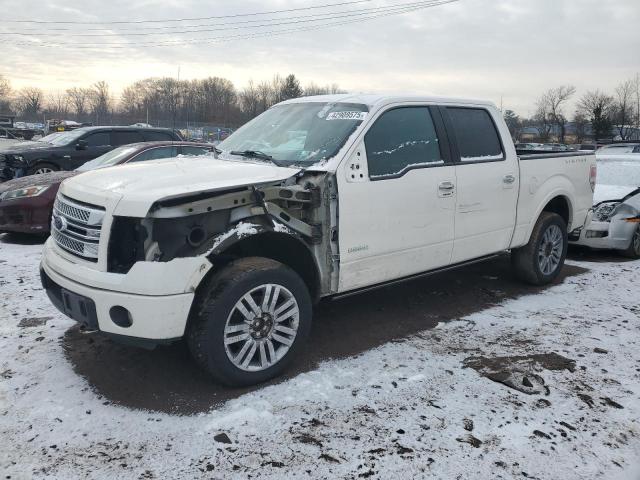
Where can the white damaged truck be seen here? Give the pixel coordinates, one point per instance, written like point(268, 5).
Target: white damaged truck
point(317, 197)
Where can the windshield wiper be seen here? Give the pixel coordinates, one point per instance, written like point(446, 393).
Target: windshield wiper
point(255, 154)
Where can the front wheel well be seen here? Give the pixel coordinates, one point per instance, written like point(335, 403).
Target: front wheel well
point(281, 247)
point(559, 205)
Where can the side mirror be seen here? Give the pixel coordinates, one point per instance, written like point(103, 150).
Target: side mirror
point(82, 145)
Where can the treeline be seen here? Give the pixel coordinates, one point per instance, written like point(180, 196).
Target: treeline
point(159, 101)
point(596, 115)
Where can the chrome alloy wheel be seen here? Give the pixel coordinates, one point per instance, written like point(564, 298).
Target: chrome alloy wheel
point(43, 170)
point(550, 251)
point(261, 327)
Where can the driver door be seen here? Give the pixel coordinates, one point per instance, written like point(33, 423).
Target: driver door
point(397, 194)
point(98, 143)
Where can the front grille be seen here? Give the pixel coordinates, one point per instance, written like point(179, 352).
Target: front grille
point(76, 227)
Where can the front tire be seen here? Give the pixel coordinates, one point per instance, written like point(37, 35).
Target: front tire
point(249, 321)
point(540, 261)
point(634, 247)
point(43, 167)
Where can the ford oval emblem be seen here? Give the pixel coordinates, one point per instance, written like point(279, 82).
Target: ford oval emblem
point(60, 223)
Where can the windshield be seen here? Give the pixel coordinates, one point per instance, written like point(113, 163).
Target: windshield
point(113, 157)
point(624, 174)
point(62, 138)
point(298, 133)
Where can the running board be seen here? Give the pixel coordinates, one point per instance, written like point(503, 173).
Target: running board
point(357, 291)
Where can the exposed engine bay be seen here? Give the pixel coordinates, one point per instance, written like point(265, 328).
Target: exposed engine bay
point(303, 208)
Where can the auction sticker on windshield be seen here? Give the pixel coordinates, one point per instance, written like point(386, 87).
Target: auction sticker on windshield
point(347, 116)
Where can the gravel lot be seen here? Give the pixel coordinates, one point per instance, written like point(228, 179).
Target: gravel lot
point(466, 374)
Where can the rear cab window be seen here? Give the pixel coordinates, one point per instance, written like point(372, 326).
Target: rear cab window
point(402, 139)
point(476, 134)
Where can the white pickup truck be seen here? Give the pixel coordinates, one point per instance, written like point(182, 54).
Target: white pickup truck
point(317, 197)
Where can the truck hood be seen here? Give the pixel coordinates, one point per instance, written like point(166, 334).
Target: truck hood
point(139, 185)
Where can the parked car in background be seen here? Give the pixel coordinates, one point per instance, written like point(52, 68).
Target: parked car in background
point(316, 197)
point(614, 221)
point(69, 150)
point(616, 148)
point(26, 203)
point(587, 147)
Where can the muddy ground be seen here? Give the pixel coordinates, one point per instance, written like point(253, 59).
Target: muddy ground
point(167, 380)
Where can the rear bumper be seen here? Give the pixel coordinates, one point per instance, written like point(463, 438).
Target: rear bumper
point(26, 215)
point(152, 319)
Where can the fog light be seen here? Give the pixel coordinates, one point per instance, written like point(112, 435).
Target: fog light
point(120, 316)
point(596, 234)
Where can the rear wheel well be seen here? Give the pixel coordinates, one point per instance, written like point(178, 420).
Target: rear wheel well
point(559, 205)
point(280, 247)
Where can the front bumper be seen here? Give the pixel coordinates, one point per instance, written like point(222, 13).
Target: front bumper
point(613, 235)
point(155, 318)
point(26, 215)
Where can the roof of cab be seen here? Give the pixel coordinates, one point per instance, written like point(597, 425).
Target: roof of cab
point(372, 100)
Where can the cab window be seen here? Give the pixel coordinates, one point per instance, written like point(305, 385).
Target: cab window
point(402, 139)
point(476, 134)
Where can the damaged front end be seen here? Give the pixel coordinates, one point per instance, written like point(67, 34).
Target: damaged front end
point(612, 224)
point(291, 221)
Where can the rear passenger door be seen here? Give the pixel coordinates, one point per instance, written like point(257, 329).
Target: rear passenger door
point(396, 199)
point(487, 183)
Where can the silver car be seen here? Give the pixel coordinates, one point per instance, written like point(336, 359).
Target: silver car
point(614, 221)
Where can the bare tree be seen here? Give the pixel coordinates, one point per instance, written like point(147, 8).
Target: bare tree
point(266, 96)
point(100, 101)
point(249, 100)
point(5, 94)
point(636, 85)
point(581, 123)
point(312, 89)
point(58, 105)
point(624, 108)
point(79, 101)
point(551, 105)
point(29, 102)
point(597, 107)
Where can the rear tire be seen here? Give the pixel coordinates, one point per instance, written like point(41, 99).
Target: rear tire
point(43, 167)
point(634, 248)
point(249, 321)
point(540, 261)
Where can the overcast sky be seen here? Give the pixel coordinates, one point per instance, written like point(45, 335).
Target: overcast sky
point(512, 49)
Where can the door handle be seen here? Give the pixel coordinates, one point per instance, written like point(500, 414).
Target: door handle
point(508, 179)
point(446, 186)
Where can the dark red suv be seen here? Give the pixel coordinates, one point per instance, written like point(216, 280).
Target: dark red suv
point(26, 203)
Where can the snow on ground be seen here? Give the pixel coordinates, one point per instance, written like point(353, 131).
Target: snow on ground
point(414, 408)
